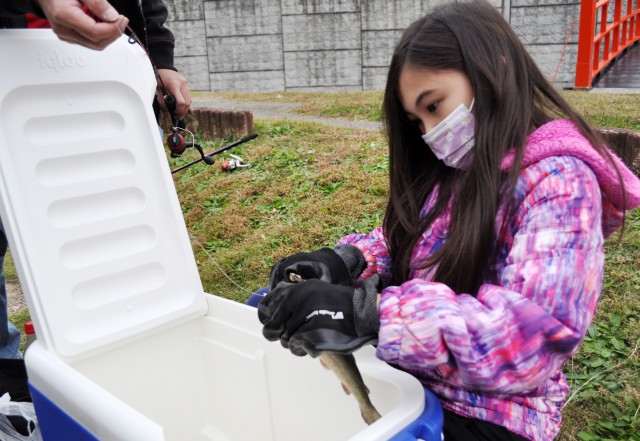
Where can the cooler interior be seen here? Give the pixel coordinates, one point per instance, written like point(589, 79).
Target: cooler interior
point(217, 378)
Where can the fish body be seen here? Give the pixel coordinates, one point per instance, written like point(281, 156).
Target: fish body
point(346, 369)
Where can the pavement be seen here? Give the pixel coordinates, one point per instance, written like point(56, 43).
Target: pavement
point(285, 110)
point(621, 90)
point(280, 110)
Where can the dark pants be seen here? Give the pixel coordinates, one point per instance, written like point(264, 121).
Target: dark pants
point(457, 428)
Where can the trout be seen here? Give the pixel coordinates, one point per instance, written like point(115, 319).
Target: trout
point(345, 368)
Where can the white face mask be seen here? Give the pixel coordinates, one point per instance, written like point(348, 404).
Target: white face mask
point(452, 138)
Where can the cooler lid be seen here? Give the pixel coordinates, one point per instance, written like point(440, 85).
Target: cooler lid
point(87, 198)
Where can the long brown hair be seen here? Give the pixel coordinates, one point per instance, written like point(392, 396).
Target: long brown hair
point(512, 98)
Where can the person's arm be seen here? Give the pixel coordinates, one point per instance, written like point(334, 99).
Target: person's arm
point(71, 23)
point(373, 247)
point(519, 330)
point(14, 8)
point(160, 40)
point(160, 44)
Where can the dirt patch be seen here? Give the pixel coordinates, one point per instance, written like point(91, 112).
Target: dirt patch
point(15, 298)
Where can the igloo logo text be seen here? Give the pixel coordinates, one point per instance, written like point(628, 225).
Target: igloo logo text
point(56, 62)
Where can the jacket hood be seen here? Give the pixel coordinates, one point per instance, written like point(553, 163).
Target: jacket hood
point(562, 138)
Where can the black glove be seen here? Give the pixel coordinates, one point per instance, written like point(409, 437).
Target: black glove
point(324, 264)
point(315, 316)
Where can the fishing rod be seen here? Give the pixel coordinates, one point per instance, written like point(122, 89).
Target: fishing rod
point(177, 144)
point(175, 141)
point(208, 158)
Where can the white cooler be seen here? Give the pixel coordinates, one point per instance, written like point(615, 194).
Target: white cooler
point(129, 346)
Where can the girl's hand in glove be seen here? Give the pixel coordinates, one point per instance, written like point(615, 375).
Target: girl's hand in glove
point(323, 264)
point(315, 316)
point(341, 265)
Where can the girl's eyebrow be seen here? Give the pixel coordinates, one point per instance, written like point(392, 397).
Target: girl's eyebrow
point(423, 95)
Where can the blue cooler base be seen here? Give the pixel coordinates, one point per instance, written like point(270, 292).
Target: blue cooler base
point(55, 424)
point(428, 426)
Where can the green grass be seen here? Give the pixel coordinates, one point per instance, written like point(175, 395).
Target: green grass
point(607, 110)
point(9, 269)
point(603, 374)
point(310, 184)
point(18, 319)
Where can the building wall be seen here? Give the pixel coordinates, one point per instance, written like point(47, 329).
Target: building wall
point(278, 45)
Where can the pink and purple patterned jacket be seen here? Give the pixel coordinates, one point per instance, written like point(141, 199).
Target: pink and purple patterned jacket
point(498, 356)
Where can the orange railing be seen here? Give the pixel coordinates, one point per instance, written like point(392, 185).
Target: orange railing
point(602, 37)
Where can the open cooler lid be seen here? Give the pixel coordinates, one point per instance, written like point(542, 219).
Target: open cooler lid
point(87, 198)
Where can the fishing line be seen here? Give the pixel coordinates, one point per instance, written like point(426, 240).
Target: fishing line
point(133, 38)
point(217, 265)
point(193, 137)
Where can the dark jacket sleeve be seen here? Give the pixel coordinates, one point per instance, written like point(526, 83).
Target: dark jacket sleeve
point(13, 8)
point(160, 40)
point(12, 13)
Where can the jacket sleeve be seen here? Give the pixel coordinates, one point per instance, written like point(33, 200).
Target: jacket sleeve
point(160, 40)
point(13, 8)
point(521, 328)
point(375, 252)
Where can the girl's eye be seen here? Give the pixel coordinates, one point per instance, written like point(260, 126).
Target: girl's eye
point(432, 107)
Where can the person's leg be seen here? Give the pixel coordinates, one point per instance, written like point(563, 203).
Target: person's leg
point(457, 428)
point(9, 335)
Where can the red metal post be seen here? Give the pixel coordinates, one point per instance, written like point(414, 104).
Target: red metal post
point(617, 12)
point(604, 14)
point(585, 43)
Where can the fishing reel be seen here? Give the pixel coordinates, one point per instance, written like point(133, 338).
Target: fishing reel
point(175, 140)
point(177, 145)
point(234, 163)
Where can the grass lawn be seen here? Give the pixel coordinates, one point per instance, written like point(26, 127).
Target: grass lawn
point(310, 184)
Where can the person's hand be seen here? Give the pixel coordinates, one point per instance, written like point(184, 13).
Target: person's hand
point(176, 85)
point(96, 29)
point(315, 316)
point(324, 264)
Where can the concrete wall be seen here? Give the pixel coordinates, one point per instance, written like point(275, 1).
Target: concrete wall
point(543, 26)
point(277, 45)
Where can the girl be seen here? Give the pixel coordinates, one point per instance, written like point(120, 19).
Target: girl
point(486, 272)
